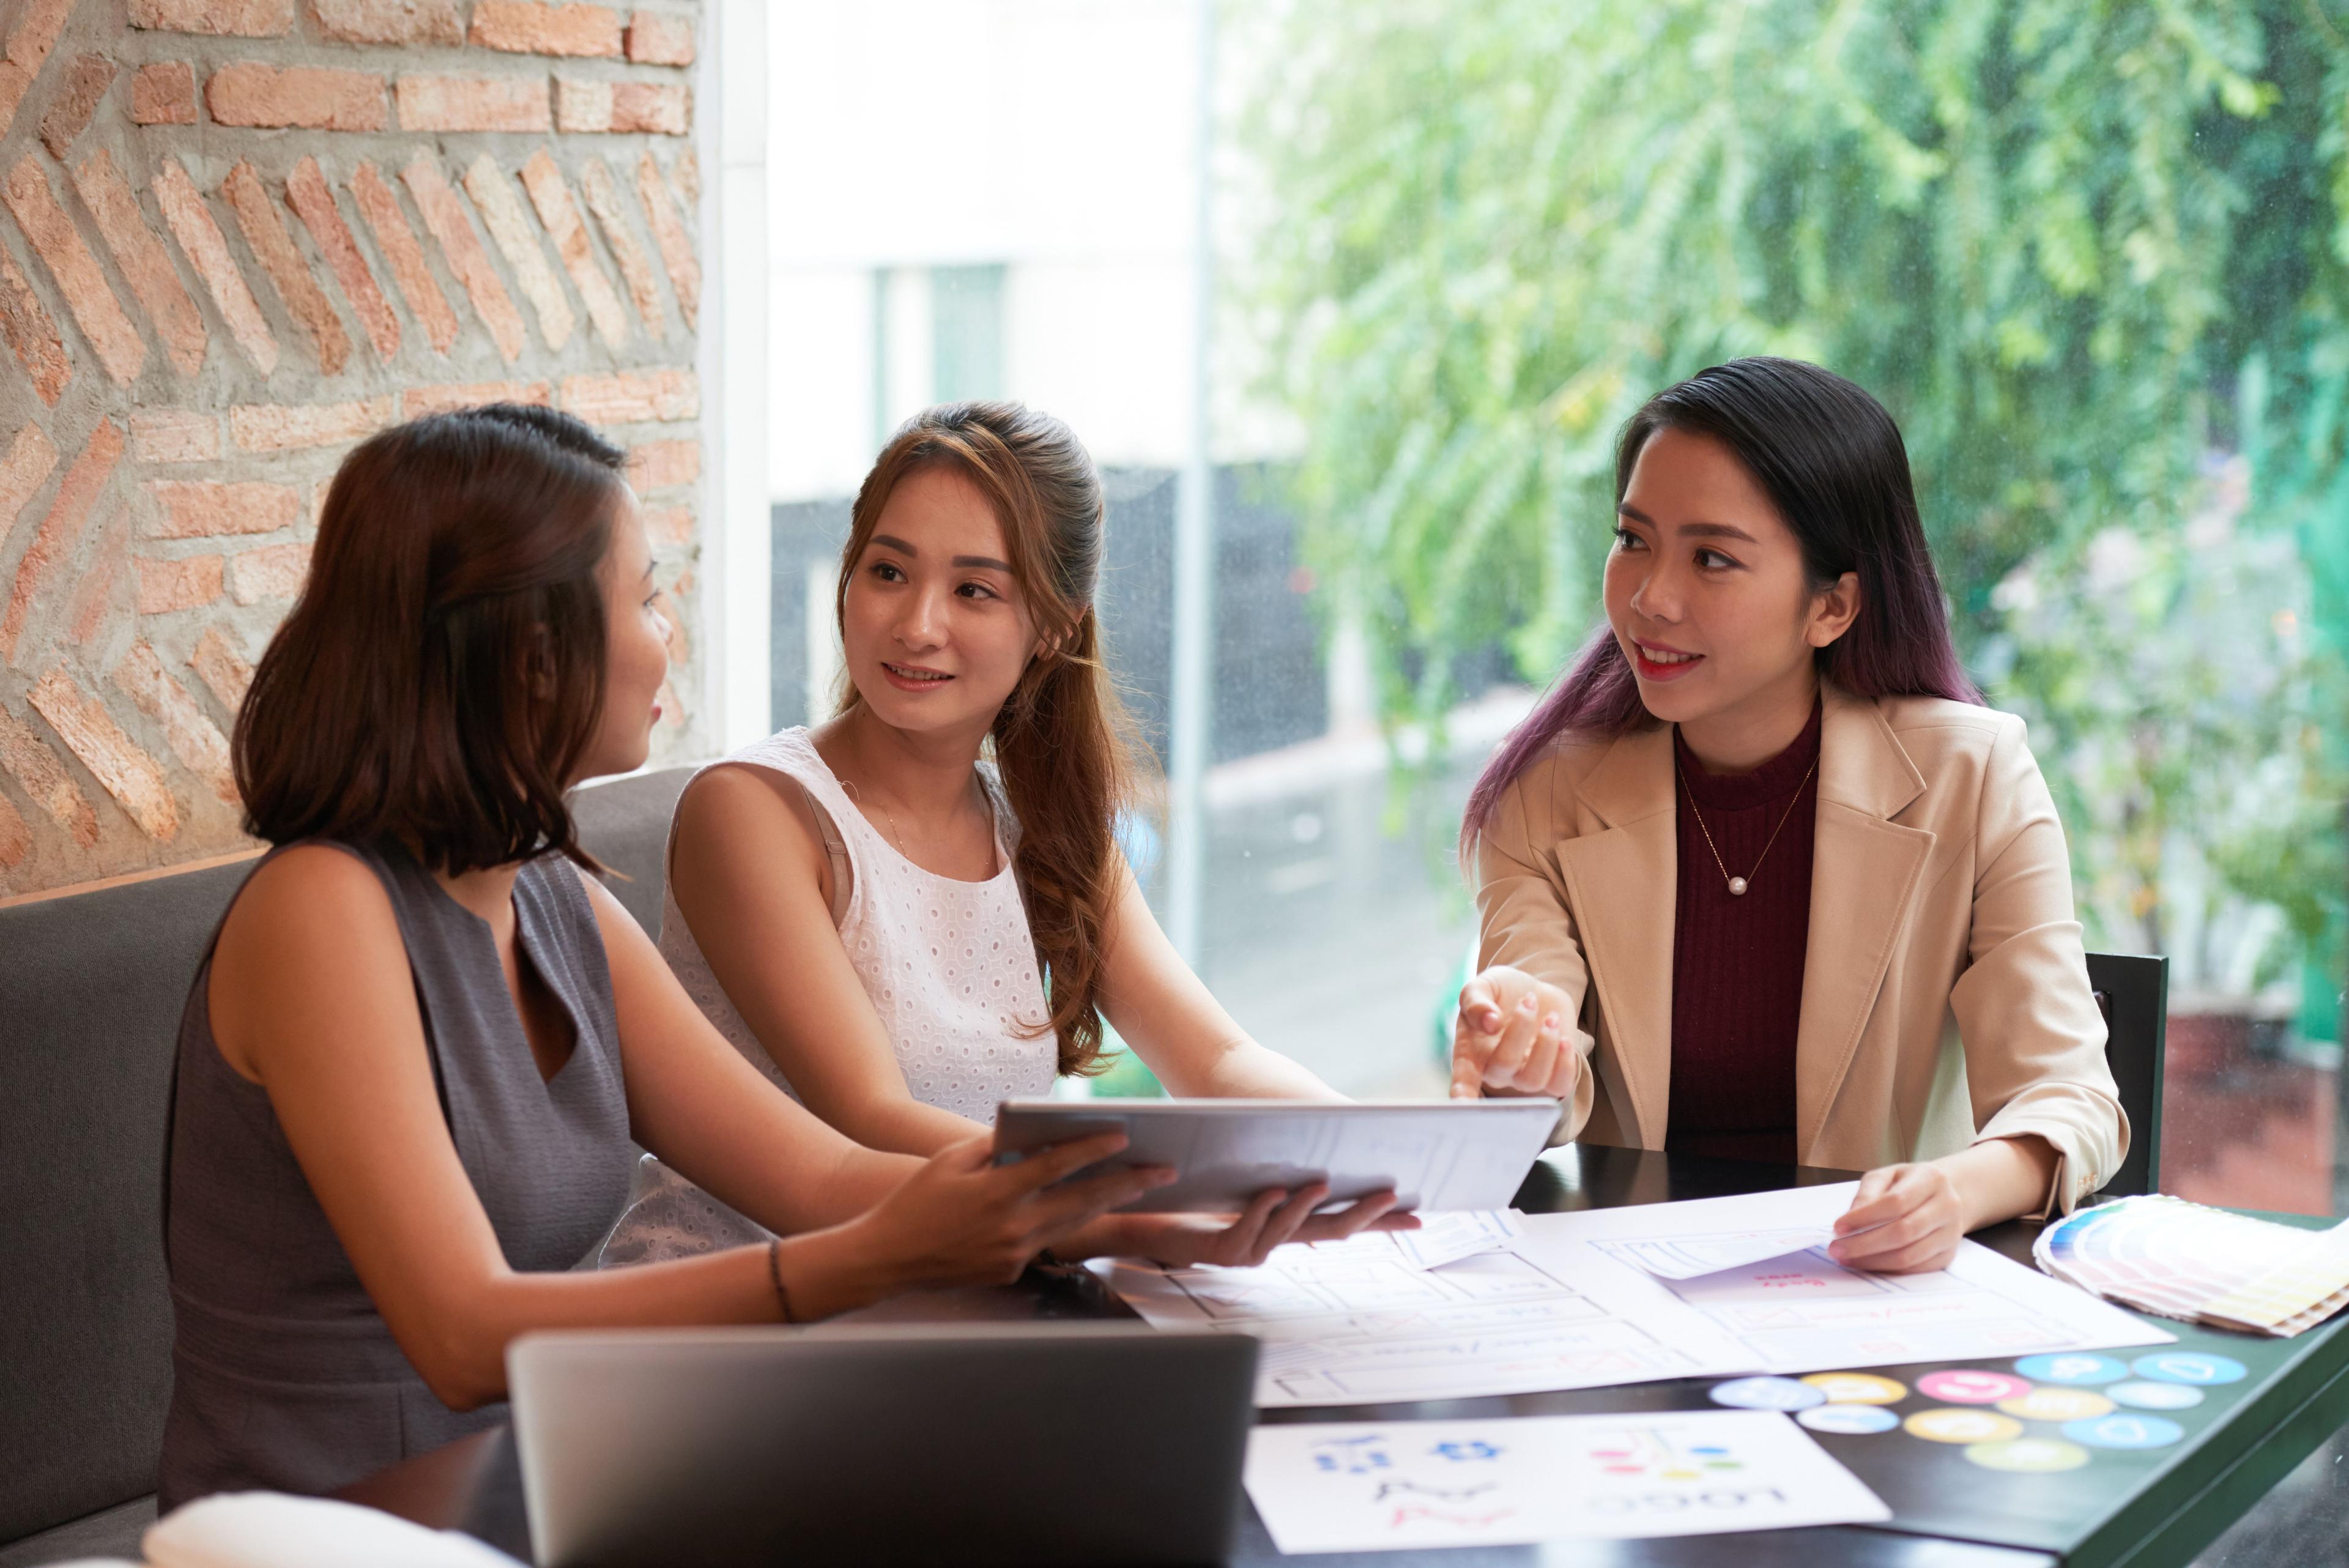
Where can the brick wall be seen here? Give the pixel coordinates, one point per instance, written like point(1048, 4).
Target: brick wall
point(236, 237)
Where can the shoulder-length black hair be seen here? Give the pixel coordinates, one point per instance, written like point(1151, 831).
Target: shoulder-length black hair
point(442, 671)
point(1831, 460)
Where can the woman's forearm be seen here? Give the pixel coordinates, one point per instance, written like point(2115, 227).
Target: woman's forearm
point(460, 1350)
point(895, 1122)
point(1242, 1069)
point(823, 1273)
point(2001, 1177)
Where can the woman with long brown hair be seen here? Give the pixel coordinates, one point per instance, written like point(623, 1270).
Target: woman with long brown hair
point(901, 930)
point(415, 1056)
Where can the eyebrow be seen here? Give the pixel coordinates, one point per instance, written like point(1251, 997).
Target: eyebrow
point(1701, 530)
point(894, 543)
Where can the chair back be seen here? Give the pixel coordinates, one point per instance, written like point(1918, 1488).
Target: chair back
point(625, 824)
point(91, 986)
point(2133, 993)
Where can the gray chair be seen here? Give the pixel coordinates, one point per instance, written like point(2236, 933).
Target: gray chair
point(625, 824)
point(91, 985)
point(91, 988)
point(2132, 992)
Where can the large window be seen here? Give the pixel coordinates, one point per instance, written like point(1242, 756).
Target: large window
point(2090, 257)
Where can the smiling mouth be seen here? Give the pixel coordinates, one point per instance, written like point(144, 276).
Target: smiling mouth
point(1664, 655)
point(908, 672)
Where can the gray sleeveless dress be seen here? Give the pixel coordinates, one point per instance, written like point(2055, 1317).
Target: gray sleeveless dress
point(285, 1374)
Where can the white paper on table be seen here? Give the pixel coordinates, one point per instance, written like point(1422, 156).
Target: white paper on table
point(1356, 1487)
point(1687, 1257)
point(1806, 1313)
point(1443, 1239)
point(1354, 1323)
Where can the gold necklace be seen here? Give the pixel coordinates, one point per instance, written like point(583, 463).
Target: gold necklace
point(1737, 884)
point(858, 796)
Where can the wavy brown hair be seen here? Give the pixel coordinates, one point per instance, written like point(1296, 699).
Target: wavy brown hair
point(1063, 741)
point(442, 671)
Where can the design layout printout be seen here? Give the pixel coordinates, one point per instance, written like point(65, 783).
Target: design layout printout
point(1802, 1312)
point(1443, 1239)
point(1357, 1323)
point(1568, 1303)
point(1419, 1484)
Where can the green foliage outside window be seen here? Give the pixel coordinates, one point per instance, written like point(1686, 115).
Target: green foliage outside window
point(2095, 256)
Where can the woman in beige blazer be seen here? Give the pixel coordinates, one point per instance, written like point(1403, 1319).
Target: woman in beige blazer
point(1774, 616)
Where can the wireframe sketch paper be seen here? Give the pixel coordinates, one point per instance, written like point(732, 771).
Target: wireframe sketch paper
point(1802, 1312)
point(1420, 1484)
point(1566, 1304)
point(1443, 1239)
point(1356, 1322)
point(1686, 1257)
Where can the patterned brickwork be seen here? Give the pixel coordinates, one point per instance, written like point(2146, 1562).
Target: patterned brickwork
point(239, 236)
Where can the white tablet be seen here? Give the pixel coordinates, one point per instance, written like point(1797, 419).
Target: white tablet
point(1437, 1155)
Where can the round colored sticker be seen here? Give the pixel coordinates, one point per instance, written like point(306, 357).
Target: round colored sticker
point(1766, 1393)
point(1851, 1420)
point(1857, 1389)
point(2057, 1405)
point(1948, 1426)
point(1965, 1387)
point(2124, 1431)
point(2028, 1454)
point(2187, 1367)
point(2155, 1395)
point(2075, 1367)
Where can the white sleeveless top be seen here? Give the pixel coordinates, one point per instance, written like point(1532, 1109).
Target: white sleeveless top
point(949, 967)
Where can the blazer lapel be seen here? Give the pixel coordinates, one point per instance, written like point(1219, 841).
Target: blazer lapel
point(1630, 871)
point(1865, 873)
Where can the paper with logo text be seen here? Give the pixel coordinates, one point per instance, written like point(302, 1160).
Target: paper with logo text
point(1412, 1485)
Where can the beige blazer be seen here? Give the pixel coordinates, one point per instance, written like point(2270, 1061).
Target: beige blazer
point(1945, 988)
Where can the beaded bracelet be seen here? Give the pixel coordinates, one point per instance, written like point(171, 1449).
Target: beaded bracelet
point(775, 1276)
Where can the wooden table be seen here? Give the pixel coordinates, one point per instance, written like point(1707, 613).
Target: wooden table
point(2150, 1509)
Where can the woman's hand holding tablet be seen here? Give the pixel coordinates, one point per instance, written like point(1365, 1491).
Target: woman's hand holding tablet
point(1312, 1171)
point(963, 1218)
point(1274, 1217)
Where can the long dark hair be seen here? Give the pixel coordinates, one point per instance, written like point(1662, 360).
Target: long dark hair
point(1063, 741)
point(1831, 460)
point(442, 671)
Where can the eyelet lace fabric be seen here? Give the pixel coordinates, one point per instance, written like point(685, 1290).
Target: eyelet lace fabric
point(950, 970)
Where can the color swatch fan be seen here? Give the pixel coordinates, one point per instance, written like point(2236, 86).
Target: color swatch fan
point(2180, 1259)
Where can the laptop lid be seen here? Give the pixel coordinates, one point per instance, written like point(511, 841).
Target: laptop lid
point(1100, 1443)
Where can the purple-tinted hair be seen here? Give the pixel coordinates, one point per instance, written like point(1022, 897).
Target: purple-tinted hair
point(1831, 461)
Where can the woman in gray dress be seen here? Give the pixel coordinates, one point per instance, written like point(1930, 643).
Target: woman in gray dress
point(413, 1062)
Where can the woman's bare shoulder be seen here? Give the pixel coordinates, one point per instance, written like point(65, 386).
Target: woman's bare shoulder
point(737, 814)
point(307, 883)
point(311, 930)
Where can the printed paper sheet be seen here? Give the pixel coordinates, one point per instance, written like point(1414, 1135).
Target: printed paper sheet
point(1357, 1323)
point(1420, 1484)
point(1802, 1312)
point(1565, 1305)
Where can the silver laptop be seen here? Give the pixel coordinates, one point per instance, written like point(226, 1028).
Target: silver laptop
point(1100, 1443)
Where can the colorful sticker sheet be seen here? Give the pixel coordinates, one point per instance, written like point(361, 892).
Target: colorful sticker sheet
point(2180, 1259)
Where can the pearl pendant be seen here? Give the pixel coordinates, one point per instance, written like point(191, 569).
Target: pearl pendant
point(1737, 887)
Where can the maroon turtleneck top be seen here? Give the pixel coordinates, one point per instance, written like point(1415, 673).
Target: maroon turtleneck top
point(1737, 961)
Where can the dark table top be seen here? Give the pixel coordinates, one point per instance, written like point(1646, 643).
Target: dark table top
point(2142, 1508)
